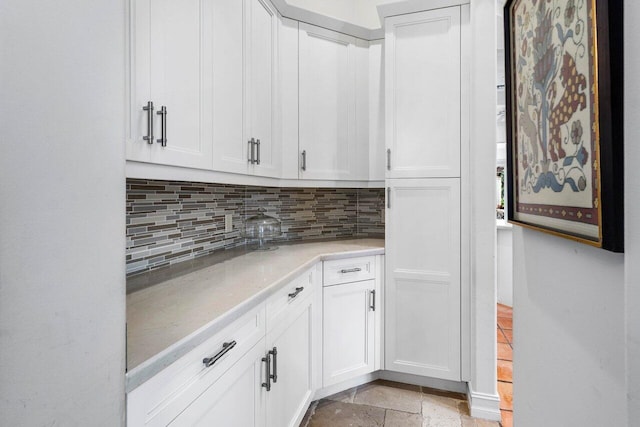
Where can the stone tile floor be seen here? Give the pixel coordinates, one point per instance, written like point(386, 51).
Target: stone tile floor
point(390, 404)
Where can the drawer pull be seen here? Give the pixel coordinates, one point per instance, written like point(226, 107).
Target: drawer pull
point(226, 347)
point(350, 270)
point(292, 295)
point(372, 296)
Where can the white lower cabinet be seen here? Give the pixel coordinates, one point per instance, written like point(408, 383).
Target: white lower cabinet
point(235, 400)
point(351, 318)
point(291, 344)
point(262, 373)
point(348, 331)
point(188, 389)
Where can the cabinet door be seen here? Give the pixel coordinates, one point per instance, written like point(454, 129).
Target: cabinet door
point(139, 93)
point(288, 96)
point(291, 394)
point(177, 66)
point(423, 277)
point(377, 154)
point(422, 65)
point(235, 400)
point(227, 86)
point(261, 73)
point(348, 331)
point(327, 114)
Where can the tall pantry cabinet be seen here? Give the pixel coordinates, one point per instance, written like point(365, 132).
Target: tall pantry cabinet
point(426, 121)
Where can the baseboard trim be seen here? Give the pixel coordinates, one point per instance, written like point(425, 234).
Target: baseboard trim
point(401, 377)
point(345, 385)
point(435, 383)
point(484, 405)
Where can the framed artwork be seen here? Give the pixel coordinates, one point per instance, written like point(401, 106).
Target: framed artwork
point(564, 96)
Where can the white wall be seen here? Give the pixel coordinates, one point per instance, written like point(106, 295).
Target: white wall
point(569, 307)
point(483, 227)
point(568, 333)
point(62, 321)
point(504, 270)
point(632, 202)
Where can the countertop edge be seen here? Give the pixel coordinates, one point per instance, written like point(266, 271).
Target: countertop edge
point(152, 366)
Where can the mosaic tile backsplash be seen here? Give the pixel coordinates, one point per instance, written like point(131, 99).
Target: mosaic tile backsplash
point(169, 221)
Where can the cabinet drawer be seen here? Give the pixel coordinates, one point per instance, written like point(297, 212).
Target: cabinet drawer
point(290, 296)
point(158, 401)
point(348, 270)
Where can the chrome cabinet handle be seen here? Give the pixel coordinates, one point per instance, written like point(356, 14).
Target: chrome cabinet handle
point(388, 159)
point(350, 270)
point(258, 157)
point(226, 347)
point(274, 375)
point(304, 160)
point(149, 109)
point(389, 197)
point(251, 151)
point(268, 376)
point(163, 126)
point(292, 295)
point(372, 298)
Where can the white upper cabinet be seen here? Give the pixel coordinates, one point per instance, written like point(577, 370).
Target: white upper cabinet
point(328, 130)
point(168, 60)
point(245, 39)
point(288, 104)
point(261, 36)
point(227, 87)
point(376, 111)
point(422, 84)
point(231, 86)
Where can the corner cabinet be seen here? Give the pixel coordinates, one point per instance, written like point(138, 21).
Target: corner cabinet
point(169, 108)
point(333, 72)
point(426, 239)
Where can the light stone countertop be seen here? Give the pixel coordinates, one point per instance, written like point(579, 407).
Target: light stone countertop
point(178, 311)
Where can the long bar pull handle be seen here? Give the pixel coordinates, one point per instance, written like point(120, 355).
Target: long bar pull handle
point(163, 126)
point(274, 353)
point(226, 347)
point(350, 270)
point(304, 160)
point(149, 109)
point(372, 296)
point(251, 151)
point(292, 295)
point(388, 159)
point(258, 157)
point(267, 360)
point(389, 197)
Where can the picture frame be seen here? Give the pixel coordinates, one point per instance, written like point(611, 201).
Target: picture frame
point(564, 109)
